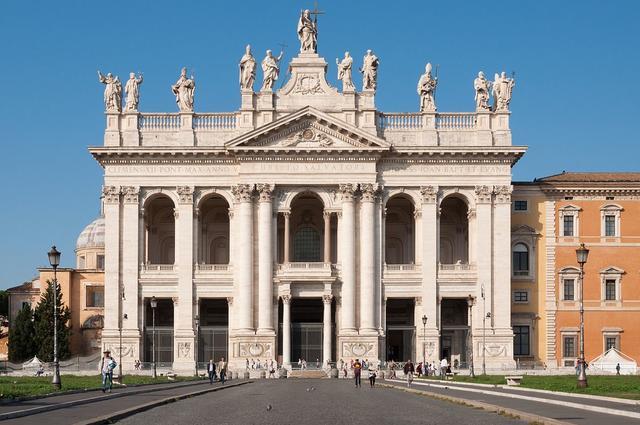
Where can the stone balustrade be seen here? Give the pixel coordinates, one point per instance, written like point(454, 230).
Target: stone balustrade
point(157, 122)
point(400, 121)
point(401, 267)
point(215, 121)
point(456, 121)
point(307, 269)
point(158, 267)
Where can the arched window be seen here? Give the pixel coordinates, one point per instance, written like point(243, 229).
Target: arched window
point(306, 245)
point(520, 260)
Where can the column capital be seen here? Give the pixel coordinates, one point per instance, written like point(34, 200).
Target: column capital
point(185, 194)
point(503, 194)
point(266, 191)
point(429, 194)
point(347, 190)
point(326, 215)
point(130, 194)
point(417, 214)
point(286, 299)
point(369, 191)
point(418, 300)
point(111, 194)
point(327, 298)
point(242, 192)
point(229, 300)
point(483, 194)
point(286, 214)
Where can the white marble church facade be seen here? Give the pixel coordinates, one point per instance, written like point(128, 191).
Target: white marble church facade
point(307, 224)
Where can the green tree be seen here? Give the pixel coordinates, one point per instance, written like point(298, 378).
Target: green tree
point(44, 326)
point(22, 345)
point(4, 303)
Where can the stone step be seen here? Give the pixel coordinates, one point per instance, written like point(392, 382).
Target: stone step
point(316, 374)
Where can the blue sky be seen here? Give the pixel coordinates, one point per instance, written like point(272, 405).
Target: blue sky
point(576, 102)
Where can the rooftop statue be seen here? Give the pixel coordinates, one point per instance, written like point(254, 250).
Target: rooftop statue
point(112, 92)
point(307, 33)
point(132, 89)
point(502, 89)
point(481, 85)
point(247, 70)
point(370, 71)
point(426, 89)
point(344, 72)
point(270, 69)
point(184, 90)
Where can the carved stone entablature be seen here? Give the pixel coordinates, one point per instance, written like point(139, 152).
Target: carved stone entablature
point(483, 194)
point(111, 194)
point(266, 191)
point(503, 194)
point(242, 192)
point(130, 194)
point(357, 349)
point(184, 350)
point(256, 349)
point(185, 194)
point(369, 191)
point(346, 191)
point(327, 298)
point(429, 194)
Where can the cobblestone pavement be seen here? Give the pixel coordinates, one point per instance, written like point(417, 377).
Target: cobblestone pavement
point(318, 401)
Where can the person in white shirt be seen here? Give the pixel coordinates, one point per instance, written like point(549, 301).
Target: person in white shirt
point(444, 364)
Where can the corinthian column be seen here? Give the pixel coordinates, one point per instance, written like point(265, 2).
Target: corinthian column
point(501, 249)
point(243, 264)
point(286, 330)
point(265, 260)
point(348, 259)
point(326, 329)
point(429, 237)
point(111, 197)
point(367, 258)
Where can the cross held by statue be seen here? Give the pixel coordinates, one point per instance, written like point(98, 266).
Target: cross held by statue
point(315, 12)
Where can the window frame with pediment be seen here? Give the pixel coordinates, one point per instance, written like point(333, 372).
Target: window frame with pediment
point(611, 273)
point(566, 273)
point(528, 237)
point(611, 332)
point(614, 210)
point(569, 210)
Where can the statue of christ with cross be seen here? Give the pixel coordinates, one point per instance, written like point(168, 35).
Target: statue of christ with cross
point(308, 30)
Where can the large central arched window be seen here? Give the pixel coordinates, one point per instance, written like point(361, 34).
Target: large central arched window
point(306, 245)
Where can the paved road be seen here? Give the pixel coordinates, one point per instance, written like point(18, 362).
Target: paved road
point(103, 404)
point(332, 402)
point(553, 411)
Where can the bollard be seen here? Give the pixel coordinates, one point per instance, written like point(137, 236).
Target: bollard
point(333, 373)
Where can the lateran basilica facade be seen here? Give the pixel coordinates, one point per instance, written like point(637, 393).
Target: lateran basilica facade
point(308, 224)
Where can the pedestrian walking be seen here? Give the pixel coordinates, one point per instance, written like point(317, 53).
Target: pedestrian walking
point(211, 370)
point(372, 377)
point(409, 369)
point(107, 366)
point(444, 364)
point(222, 370)
point(618, 369)
point(357, 370)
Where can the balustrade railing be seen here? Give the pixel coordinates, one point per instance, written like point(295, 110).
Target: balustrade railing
point(401, 267)
point(456, 121)
point(400, 121)
point(157, 267)
point(159, 122)
point(304, 266)
point(457, 267)
point(215, 121)
point(212, 267)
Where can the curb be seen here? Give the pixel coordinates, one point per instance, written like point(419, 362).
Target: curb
point(40, 409)
point(116, 416)
point(484, 406)
point(82, 390)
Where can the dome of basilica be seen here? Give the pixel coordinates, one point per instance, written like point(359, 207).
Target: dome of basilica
point(92, 236)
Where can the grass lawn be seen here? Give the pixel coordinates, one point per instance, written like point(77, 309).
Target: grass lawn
point(24, 386)
point(625, 386)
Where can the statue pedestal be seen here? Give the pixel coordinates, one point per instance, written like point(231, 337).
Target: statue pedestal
point(112, 132)
point(186, 136)
point(130, 132)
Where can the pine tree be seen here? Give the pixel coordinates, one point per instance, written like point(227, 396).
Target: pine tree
point(21, 341)
point(44, 326)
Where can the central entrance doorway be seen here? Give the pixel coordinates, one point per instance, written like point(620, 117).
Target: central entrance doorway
point(400, 329)
point(214, 330)
point(454, 332)
point(306, 331)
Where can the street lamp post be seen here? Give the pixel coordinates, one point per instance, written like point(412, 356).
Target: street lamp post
point(197, 345)
point(582, 253)
point(424, 343)
point(120, 324)
point(484, 330)
point(54, 260)
point(154, 304)
point(470, 304)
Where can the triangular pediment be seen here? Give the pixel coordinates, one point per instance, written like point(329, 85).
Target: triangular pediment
point(308, 129)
